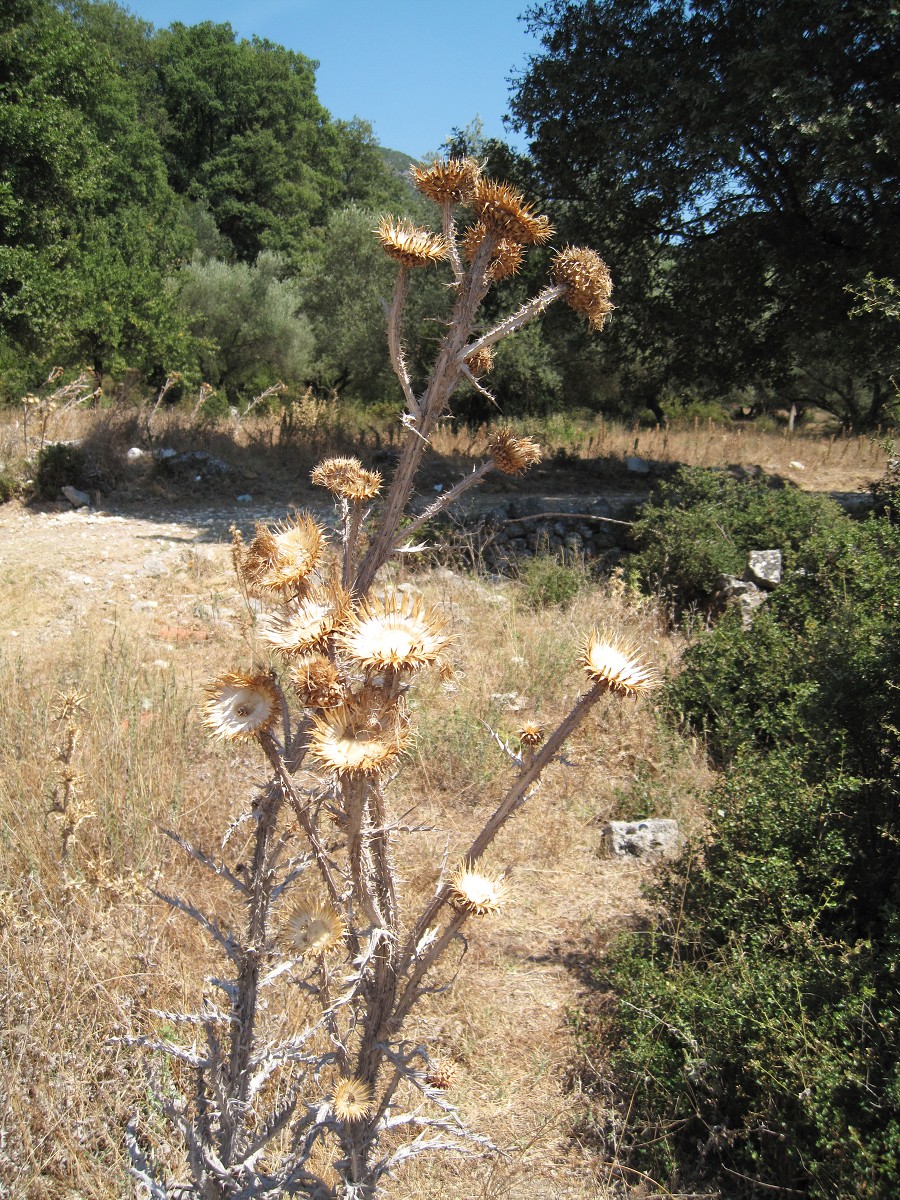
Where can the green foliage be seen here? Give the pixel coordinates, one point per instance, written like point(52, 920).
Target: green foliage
point(702, 523)
point(245, 134)
point(548, 582)
point(756, 1019)
point(737, 162)
point(89, 223)
point(58, 465)
point(247, 323)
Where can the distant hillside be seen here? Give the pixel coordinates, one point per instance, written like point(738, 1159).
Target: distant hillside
point(396, 160)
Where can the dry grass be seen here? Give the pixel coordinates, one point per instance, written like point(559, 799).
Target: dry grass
point(87, 953)
point(812, 459)
point(274, 461)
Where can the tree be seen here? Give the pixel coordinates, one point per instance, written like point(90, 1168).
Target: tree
point(739, 162)
point(247, 323)
point(88, 223)
point(247, 136)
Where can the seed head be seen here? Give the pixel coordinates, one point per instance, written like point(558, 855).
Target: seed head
point(409, 245)
point(451, 181)
point(474, 893)
point(241, 706)
point(619, 667)
point(347, 478)
point(352, 1099)
point(512, 455)
point(481, 362)
point(502, 209)
point(357, 742)
point(313, 928)
point(440, 1072)
point(304, 626)
point(318, 683)
point(506, 257)
point(395, 633)
point(280, 558)
point(589, 283)
point(531, 735)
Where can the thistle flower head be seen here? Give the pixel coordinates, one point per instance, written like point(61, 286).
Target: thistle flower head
point(313, 928)
point(450, 181)
point(481, 362)
point(240, 706)
point(619, 667)
point(440, 1072)
point(308, 622)
point(476, 894)
point(357, 742)
point(531, 734)
point(395, 633)
point(347, 478)
point(352, 1099)
point(502, 209)
point(512, 455)
point(281, 557)
point(507, 255)
point(318, 683)
point(588, 281)
point(410, 245)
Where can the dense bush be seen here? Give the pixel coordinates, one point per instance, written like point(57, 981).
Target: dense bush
point(246, 321)
point(701, 524)
point(755, 1022)
point(58, 465)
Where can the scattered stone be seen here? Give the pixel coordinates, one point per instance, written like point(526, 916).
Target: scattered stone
point(764, 566)
point(144, 606)
point(134, 454)
point(636, 465)
point(165, 453)
point(798, 466)
point(75, 497)
point(656, 837)
point(244, 498)
point(747, 595)
point(155, 566)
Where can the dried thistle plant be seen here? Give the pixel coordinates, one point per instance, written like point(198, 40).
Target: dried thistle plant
point(69, 806)
point(50, 405)
point(296, 1075)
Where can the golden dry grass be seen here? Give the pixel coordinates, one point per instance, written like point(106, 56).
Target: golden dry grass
point(88, 953)
point(810, 458)
point(274, 459)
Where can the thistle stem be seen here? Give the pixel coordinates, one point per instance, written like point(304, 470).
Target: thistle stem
point(513, 800)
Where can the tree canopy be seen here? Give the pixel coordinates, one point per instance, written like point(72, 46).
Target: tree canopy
point(738, 162)
point(124, 151)
point(88, 222)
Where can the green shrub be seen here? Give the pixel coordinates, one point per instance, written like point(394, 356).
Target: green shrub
point(549, 582)
point(702, 524)
point(59, 465)
point(753, 1031)
point(754, 1026)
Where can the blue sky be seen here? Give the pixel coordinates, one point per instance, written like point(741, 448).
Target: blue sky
point(414, 69)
